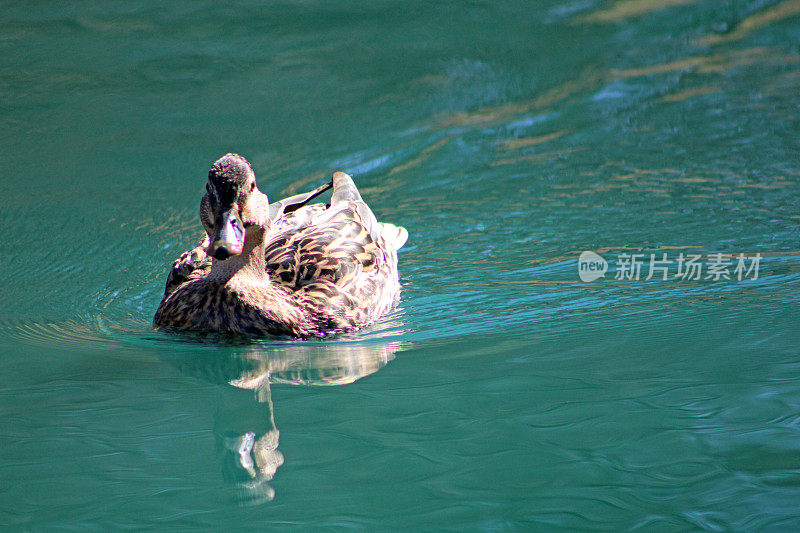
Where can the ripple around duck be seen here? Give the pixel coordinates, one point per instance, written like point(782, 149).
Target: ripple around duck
point(459, 297)
point(120, 319)
point(69, 333)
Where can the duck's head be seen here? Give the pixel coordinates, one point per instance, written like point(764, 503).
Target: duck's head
point(232, 206)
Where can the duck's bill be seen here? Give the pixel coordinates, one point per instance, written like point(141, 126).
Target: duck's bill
point(228, 236)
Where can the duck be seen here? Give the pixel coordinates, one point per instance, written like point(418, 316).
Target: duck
point(283, 268)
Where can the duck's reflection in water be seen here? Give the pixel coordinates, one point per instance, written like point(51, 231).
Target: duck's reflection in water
point(247, 441)
point(246, 434)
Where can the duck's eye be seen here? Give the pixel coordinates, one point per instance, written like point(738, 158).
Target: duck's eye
point(252, 185)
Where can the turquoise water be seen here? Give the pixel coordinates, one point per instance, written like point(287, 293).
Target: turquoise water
point(503, 393)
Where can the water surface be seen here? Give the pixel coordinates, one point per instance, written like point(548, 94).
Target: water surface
point(503, 393)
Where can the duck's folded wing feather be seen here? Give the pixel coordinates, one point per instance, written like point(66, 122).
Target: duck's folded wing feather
point(334, 249)
point(347, 198)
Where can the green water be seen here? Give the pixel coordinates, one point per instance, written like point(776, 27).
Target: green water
point(503, 393)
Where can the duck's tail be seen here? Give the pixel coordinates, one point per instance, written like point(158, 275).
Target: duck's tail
point(395, 236)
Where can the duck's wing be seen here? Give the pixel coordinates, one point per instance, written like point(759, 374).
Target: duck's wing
point(333, 245)
point(346, 197)
point(333, 249)
point(345, 193)
point(341, 266)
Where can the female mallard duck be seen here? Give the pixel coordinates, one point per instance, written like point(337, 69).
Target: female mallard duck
point(281, 268)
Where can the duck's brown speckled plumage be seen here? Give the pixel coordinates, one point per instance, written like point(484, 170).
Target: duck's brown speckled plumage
point(329, 269)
